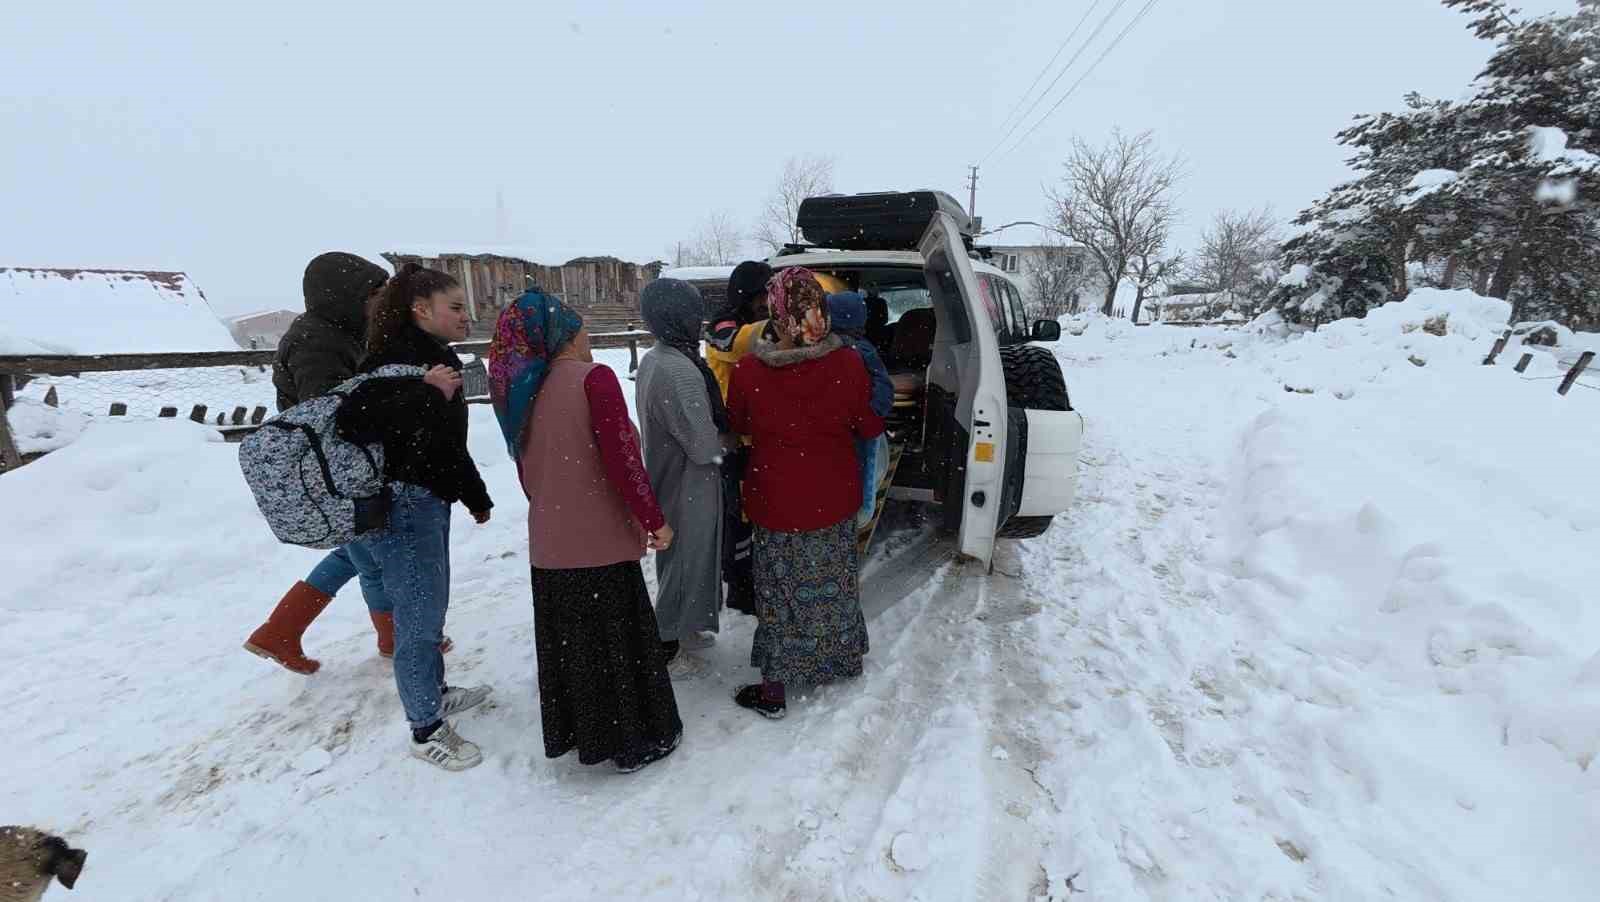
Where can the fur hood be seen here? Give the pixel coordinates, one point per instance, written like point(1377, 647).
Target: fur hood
point(770, 354)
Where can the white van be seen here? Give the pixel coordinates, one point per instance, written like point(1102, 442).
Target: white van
point(982, 422)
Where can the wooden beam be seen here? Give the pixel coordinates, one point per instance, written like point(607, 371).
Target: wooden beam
point(71, 365)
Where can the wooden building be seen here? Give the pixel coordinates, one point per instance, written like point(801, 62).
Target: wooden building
point(604, 289)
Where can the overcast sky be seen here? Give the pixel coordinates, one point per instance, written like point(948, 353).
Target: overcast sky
point(237, 144)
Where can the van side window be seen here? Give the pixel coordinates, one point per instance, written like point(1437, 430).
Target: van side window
point(994, 303)
point(1019, 314)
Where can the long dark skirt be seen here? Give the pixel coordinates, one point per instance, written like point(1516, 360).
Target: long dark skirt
point(603, 685)
point(808, 597)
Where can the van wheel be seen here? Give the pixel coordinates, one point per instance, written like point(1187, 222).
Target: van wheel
point(1033, 379)
point(1024, 527)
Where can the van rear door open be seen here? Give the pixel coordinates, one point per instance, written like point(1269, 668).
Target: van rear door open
point(967, 365)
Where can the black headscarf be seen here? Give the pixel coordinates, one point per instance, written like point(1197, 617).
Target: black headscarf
point(673, 311)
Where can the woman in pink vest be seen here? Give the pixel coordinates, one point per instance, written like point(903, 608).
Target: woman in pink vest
point(603, 684)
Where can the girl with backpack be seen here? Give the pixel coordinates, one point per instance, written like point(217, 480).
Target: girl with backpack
point(422, 425)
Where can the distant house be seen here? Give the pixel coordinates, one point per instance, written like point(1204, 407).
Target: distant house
point(604, 289)
point(1021, 250)
point(105, 311)
point(261, 330)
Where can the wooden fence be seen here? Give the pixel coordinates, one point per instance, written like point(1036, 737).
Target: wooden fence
point(17, 370)
point(1567, 381)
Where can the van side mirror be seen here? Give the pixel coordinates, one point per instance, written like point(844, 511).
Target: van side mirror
point(1046, 330)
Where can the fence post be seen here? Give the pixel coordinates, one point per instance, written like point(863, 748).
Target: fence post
point(238, 416)
point(168, 413)
point(257, 415)
point(118, 409)
point(1577, 370)
point(51, 399)
point(10, 457)
point(633, 356)
point(1499, 345)
point(198, 414)
point(1522, 365)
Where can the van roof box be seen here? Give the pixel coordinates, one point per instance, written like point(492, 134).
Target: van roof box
point(881, 221)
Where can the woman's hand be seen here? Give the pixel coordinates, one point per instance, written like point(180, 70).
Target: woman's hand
point(481, 516)
point(445, 379)
point(661, 539)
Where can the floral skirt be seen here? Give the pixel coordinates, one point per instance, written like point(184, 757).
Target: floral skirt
point(808, 599)
point(603, 685)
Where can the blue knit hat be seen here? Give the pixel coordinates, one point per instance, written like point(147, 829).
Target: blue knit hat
point(848, 311)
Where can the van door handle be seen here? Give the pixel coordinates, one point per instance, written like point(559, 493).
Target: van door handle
point(981, 424)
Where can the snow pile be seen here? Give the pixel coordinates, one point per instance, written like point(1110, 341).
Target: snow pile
point(105, 312)
point(1433, 329)
point(1294, 646)
point(38, 427)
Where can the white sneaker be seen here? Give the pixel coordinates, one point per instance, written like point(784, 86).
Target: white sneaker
point(685, 667)
point(446, 749)
point(698, 640)
point(457, 699)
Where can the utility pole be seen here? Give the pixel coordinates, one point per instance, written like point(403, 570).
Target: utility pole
point(972, 190)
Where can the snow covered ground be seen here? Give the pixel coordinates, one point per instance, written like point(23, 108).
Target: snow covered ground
point(1322, 626)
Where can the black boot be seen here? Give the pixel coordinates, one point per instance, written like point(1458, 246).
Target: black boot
point(752, 697)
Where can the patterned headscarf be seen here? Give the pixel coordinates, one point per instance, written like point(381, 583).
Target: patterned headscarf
point(799, 304)
point(529, 333)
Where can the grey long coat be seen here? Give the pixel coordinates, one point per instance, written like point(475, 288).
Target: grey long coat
point(682, 454)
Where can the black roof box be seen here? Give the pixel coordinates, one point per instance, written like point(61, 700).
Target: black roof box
point(881, 221)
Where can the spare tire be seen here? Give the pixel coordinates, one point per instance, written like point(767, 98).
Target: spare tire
point(1034, 380)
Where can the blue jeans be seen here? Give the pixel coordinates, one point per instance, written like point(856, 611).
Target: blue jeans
point(347, 563)
point(413, 555)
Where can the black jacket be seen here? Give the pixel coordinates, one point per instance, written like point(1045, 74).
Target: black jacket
point(424, 436)
point(324, 345)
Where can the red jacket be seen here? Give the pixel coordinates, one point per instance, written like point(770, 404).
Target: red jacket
point(803, 413)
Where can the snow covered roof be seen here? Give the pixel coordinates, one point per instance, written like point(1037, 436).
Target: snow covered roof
point(542, 256)
point(104, 311)
point(698, 273)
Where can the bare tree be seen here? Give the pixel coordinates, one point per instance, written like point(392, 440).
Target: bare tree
point(802, 177)
point(1149, 270)
point(717, 241)
point(1117, 202)
point(1237, 253)
point(1057, 277)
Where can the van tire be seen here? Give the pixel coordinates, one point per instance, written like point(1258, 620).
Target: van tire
point(1024, 527)
point(1034, 380)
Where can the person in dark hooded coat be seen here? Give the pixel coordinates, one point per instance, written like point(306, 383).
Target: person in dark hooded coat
point(322, 349)
point(324, 345)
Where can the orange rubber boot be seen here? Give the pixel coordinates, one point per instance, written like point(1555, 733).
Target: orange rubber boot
point(279, 638)
point(383, 625)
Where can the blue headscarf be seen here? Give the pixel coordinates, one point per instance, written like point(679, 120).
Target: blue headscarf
point(529, 333)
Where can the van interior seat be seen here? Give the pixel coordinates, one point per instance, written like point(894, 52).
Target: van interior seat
point(909, 356)
point(912, 350)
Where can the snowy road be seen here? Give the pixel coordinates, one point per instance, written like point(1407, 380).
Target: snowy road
point(1261, 659)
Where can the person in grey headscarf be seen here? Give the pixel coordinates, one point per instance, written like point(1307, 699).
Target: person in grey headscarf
point(683, 421)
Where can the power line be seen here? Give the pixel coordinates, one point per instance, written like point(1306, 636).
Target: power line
point(1092, 66)
point(1040, 77)
point(1059, 75)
